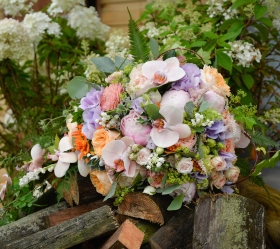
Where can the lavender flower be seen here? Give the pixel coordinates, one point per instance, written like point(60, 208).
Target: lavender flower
point(217, 131)
point(91, 100)
point(135, 105)
point(228, 157)
point(190, 80)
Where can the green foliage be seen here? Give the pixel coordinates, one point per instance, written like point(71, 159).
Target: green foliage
point(176, 204)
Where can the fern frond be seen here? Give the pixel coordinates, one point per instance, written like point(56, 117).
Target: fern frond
point(138, 44)
point(245, 167)
point(263, 140)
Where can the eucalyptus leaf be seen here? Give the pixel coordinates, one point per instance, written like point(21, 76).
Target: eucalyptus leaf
point(77, 87)
point(104, 64)
point(153, 111)
point(154, 47)
point(111, 192)
point(176, 204)
point(120, 62)
point(204, 106)
point(189, 107)
point(170, 189)
point(200, 149)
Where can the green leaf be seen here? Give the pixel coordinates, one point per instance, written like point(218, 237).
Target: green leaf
point(154, 47)
point(104, 64)
point(266, 21)
point(169, 54)
point(224, 60)
point(205, 56)
point(176, 204)
point(170, 189)
point(239, 3)
point(198, 44)
point(111, 192)
point(77, 87)
point(137, 180)
point(223, 44)
point(264, 32)
point(225, 25)
point(189, 107)
point(210, 35)
point(210, 45)
point(138, 46)
point(153, 111)
point(164, 180)
point(230, 35)
point(204, 106)
point(263, 140)
point(200, 149)
point(268, 163)
point(248, 80)
point(56, 142)
point(246, 121)
point(120, 62)
point(259, 11)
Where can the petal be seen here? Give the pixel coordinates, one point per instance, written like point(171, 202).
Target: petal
point(172, 115)
point(69, 157)
point(61, 168)
point(36, 151)
point(149, 68)
point(243, 142)
point(175, 74)
point(172, 62)
point(83, 169)
point(127, 140)
point(182, 129)
point(165, 138)
point(64, 144)
point(112, 151)
point(131, 170)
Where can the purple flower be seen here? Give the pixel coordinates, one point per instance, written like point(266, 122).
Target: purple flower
point(199, 176)
point(135, 105)
point(88, 129)
point(91, 100)
point(227, 189)
point(190, 80)
point(217, 131)
point(90, 125)
point(228, 157)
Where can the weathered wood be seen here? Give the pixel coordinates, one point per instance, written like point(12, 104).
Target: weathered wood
point(152, 208)
point(228, 221)
point(177, 233)
point(72, 232)
point(69, 213)
point(127, 236)
point(28, 225)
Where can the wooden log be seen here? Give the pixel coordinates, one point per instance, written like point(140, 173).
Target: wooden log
point(28, 225)
point(270, 199)
point(147, 207)
point(90, 225)
point(70, 213)
point(127, 236)
point(177, 233)
point(229, 221)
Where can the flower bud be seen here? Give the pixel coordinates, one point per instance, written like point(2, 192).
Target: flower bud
point(149, 190)
point(232, 174)
point(211, 142)
point(159, 150)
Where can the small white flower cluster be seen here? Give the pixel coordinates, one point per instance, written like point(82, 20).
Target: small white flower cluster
point(38, 190)
point(244, 53)
point(216, 8)
point(34, 175)
point(14, 40)
point(276, 23)
point(14, 7)
point(87, 23)
point(37, 24)
point(199, 121)
point(63, 6)
point(152, 30)
point(117, 44)
point(108, 121)
point(155, 161)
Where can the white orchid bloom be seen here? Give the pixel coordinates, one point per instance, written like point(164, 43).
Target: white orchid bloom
point(166, 132)
point(64, 158)
point(37, 155)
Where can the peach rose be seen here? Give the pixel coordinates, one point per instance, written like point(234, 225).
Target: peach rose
point(101, 181)
point(218, 163)
point(110, 97)
point(229, 143)
point(101, 137)
point(188, 142)
point(219, 180)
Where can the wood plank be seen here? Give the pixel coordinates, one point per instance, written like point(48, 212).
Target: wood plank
point(28, 225)
point(72, 232)
point(177, 233)
point(127, 236)
point(70, 213)
point(228, 221)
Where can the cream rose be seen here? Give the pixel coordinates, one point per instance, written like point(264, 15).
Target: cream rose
point(232, 174)
point(218, 163)
point(185, 165)
point(143, 156)
point(219, 180)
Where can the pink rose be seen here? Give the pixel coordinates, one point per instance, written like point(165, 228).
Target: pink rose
point(218, 179)
point(185, 165)
point(143, 156)
point(232, 174)
point(131, 128)
point(218, 163)
point(188, 189)
point(216, 101)
point(188, 142)
point(175, 98)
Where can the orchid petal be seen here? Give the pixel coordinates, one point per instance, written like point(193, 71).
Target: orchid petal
point(243, 141)
point(64, 144)
point(70, 157)
point(182, 129)
point(172, 62)
point(175, 74)
point(149, 68)
point(131, 170)
point(113, 151)
point(127, 140)
point(165, 138)
point(172, 115)
point(36, 151)
point(61, 168)
point(83, 169)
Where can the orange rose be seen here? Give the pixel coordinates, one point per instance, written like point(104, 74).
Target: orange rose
point(101, 181)
point(101, 137)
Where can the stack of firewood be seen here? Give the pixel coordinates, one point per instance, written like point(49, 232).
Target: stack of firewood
point(140, 221)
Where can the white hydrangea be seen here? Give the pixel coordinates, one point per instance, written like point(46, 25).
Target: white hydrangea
point(87, 23)
point(216, 8)
point(14, 41)
point(244, 53)
point(117, 44)
point(37, 24)
point(14, 7)
point(152, 30)
point(276, 23)
point(63, 6)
